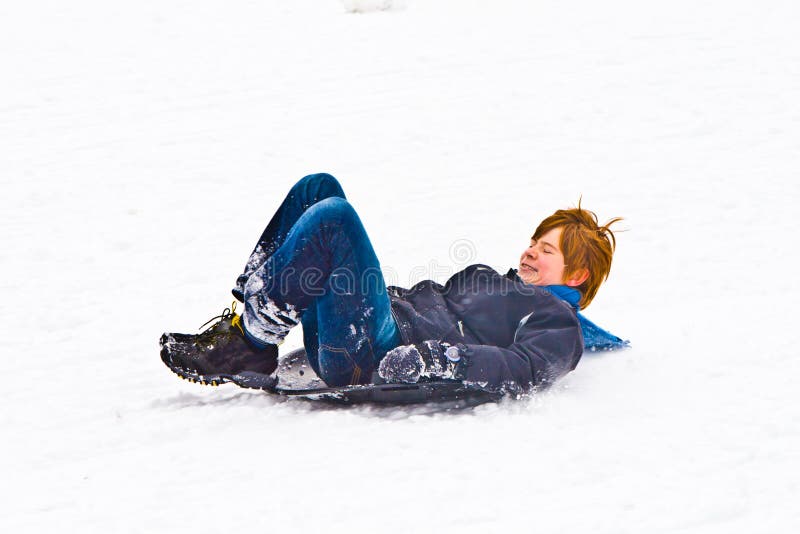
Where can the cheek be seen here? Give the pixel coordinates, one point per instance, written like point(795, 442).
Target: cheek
point(551, 267)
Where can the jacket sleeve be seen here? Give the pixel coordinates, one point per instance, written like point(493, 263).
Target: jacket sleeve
point(547, 345)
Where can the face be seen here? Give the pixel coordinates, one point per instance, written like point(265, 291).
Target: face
point(542, 263)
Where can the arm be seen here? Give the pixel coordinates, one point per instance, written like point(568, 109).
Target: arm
point(546, 346)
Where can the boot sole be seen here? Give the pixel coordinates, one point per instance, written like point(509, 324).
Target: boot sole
point(245, 379)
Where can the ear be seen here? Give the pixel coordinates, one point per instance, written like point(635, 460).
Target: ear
point(576, 278)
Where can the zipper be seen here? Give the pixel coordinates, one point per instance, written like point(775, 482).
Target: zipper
point(521, 324)
point(403, 336)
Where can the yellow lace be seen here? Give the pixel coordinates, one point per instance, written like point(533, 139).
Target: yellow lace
point(237, 319)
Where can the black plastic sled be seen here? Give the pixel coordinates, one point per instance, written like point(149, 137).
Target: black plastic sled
point(297, 379)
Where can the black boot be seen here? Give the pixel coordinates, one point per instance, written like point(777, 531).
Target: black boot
point(222, 353)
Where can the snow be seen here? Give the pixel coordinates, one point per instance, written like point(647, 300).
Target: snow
point(146, 144)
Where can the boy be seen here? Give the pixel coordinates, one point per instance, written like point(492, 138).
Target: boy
point(314, 265)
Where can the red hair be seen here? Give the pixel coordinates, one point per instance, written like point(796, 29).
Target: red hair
point(585, 245)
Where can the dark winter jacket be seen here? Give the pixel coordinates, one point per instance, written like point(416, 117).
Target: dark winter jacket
point(513, 336)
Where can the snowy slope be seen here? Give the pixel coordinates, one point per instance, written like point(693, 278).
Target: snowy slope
point(145, 145)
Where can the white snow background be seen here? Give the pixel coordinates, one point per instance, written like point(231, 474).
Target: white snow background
point(144, 145)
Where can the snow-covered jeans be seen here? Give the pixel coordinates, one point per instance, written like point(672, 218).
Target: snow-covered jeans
point(314, 263)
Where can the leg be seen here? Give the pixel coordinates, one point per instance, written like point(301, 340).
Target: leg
point(304, 194)
point(355, 334)
point(325, 272)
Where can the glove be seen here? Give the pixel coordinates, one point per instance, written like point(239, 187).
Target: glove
point(409, 363)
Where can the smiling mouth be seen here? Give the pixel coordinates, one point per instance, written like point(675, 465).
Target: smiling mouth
point(527, 267)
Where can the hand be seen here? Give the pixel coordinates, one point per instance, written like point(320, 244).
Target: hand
point(409, 363)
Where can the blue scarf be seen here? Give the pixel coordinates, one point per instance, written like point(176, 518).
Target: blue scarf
point(594, 337)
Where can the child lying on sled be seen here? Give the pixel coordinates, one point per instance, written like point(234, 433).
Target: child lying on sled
point(315, 265)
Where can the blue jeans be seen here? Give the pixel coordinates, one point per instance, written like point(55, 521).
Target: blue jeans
point(314, 261)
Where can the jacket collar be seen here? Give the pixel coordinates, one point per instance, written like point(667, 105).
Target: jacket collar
point(570, 295)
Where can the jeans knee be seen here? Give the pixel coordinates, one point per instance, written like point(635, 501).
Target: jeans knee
point(320, 185)
point(333, 209)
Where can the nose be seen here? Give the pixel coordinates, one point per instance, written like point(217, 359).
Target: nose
point(531, 251)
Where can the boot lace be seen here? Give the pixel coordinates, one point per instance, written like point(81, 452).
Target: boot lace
point(227, 313)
